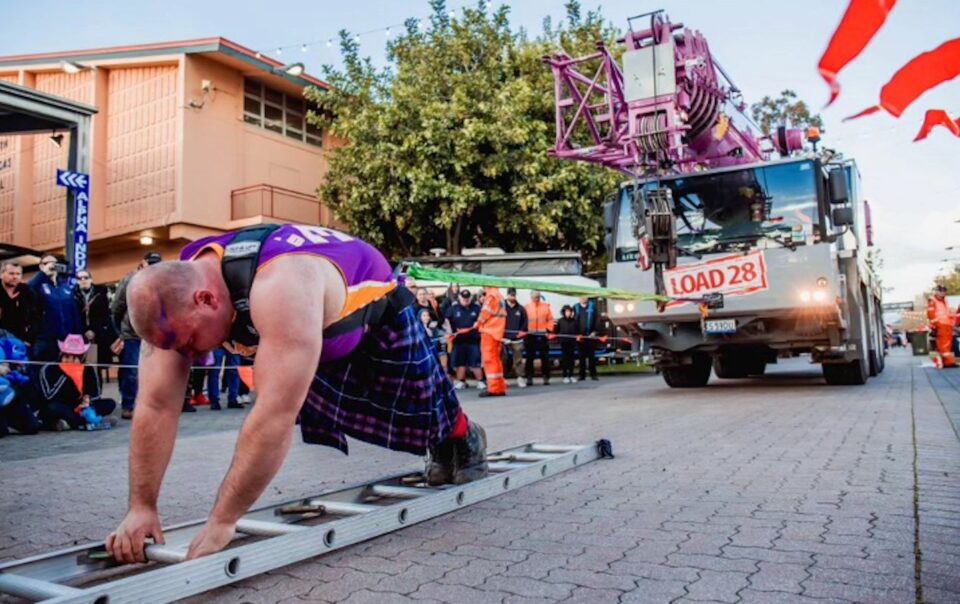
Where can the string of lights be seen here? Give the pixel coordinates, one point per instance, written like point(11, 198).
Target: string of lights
point(328, 43)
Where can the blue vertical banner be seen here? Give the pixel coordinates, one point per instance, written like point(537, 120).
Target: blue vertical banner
point(79, 183)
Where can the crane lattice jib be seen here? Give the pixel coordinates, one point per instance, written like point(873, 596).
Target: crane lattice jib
point(662, 113)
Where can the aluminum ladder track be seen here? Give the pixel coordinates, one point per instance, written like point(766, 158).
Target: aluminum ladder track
point(278, 535)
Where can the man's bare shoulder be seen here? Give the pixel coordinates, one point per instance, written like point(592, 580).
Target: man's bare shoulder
point(298, 283)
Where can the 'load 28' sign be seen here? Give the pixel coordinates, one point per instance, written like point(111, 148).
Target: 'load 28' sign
point(729, 275)
point(79, 183)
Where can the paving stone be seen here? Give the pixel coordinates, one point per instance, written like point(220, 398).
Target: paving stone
point(717, 586)
point(474, 574)
point(649, 590)
point(774, 576)
point(591, 579)
point(457, 594)
point(856, 593)
point(751, 596)
point(853, 577)
point(522, 586)
point(536, 566)
point(714, 563)
point(365, 596)
point(411, 579)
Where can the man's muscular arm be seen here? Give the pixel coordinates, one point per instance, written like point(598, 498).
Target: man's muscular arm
point(162, 380)
point(290, 319)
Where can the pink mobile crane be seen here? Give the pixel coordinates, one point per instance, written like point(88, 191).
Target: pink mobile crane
point(771, 237)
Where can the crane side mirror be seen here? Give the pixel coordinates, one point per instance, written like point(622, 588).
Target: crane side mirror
point(609, 215)
point(609, 224)
point(842, 217)
point(839, 192)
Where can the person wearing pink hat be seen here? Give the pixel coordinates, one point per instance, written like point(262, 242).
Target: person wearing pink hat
point(69, 391)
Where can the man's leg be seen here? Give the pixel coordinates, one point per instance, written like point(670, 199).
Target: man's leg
point(945, 345)
point(475, 364)
point(213, 378)
point(492, 366)
point(233, 380)
point(544, 352)
point(518, 363)
point(19, 416)
point(127, 376)
point(531, 346)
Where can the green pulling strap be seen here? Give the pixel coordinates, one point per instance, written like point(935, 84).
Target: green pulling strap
point(418, 271)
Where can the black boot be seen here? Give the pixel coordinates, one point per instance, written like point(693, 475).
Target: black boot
point(459, 460)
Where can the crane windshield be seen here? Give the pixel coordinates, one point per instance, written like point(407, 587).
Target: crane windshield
point(732, 209)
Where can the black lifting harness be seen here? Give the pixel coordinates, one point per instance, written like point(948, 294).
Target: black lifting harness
point(241, 257)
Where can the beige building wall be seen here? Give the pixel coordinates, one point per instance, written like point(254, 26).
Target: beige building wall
point(142, 130)
point(168, 159)
point(222, 153)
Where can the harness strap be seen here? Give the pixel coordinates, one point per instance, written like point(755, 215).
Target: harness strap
point(241, 258)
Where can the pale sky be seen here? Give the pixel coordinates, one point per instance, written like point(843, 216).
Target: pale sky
point(765, 46)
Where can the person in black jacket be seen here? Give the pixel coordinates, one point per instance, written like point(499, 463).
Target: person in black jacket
point(19, 307)
point(588, 326)
point(95, 318)
point(567, 330)
point(516, 330)
point(60, 316)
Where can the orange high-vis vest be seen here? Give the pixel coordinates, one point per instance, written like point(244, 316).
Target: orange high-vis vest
point(939, 313)
point(539, 316)
point(493, 317)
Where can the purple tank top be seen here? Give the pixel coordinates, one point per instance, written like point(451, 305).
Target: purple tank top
point(365, 271)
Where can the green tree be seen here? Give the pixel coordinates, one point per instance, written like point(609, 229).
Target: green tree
point(447, 146)
point(784, 110)
point(951, 281)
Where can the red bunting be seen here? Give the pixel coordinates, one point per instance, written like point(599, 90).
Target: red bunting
point(603, 339)
point(937, 117)
point(920, 74)
point(859, 24)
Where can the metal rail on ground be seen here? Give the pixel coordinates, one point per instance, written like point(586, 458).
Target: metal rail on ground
point(277, 535)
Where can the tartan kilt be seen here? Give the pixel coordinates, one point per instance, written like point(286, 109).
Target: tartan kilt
point(390, 391)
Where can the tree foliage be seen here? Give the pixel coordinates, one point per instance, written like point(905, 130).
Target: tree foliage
point(447, 146)
point(950, 280)
point(787, 110)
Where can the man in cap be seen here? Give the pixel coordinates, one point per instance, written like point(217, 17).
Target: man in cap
point(127, 345)
point(515, 331)
point(336, 343)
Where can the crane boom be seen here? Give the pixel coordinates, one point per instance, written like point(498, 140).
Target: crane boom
point(665, 112)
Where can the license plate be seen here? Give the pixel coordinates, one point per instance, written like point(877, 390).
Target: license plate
point(720, 326)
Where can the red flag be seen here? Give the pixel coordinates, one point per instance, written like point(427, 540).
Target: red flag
point(859, 24)
point(922, 73)
point(937, 117)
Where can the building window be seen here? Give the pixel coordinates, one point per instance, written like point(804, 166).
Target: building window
point(278, 112)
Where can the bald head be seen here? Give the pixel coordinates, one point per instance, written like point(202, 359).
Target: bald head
point(181, 306)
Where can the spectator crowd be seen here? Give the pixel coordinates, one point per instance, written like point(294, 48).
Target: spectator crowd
point(60, 337)
point(452, 322)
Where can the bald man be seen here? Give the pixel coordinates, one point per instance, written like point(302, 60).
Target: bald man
point(335, 341)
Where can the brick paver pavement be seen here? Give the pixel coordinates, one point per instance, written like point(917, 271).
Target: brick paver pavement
point(779, 489)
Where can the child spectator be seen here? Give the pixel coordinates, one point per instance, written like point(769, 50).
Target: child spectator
point(567, 330)
point(436, 335)
point(70, 391)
